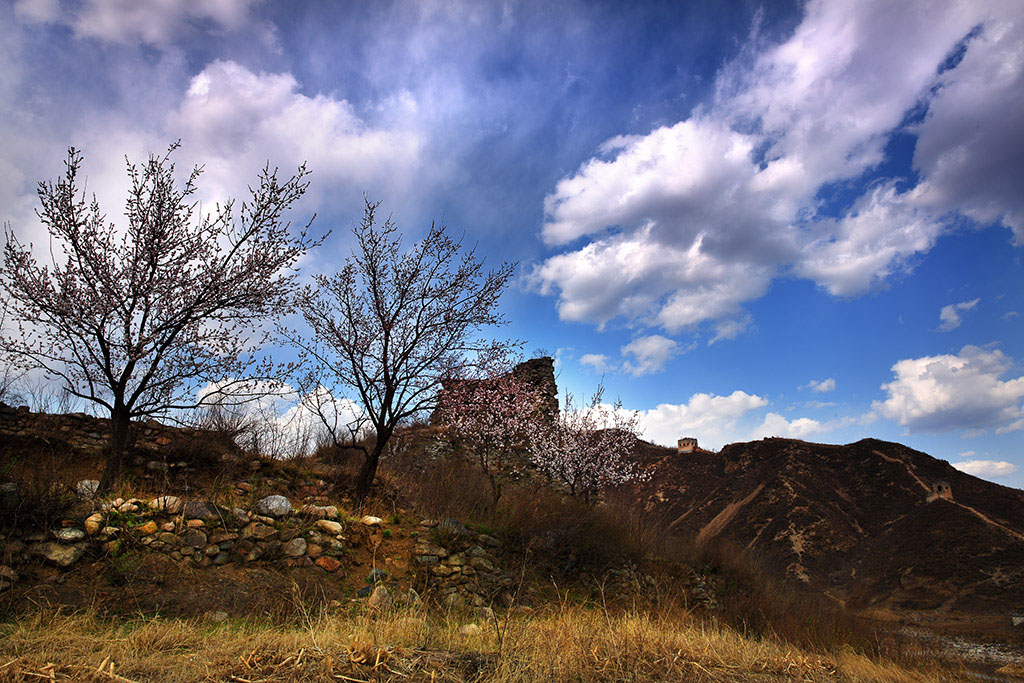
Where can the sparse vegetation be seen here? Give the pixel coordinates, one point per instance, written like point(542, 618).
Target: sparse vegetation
point(565, 643)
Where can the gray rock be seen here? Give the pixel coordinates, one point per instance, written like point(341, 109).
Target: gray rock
point(69, 535)
point(489, 541)
point(258, 531)
point(194, 538)
point(168, 538)
point(454, 526)
point(482, 564)
point(274, 506)
point(430, 549)
point(376, 575)
point(171, 505)
point(427, 560)
point(61, 554)
point(240, 516)
point(295, 547)
point(379, 598)
point(476, 551)
point(221, 558)
point(87, 488)
point(327, 526)
point(200, 509)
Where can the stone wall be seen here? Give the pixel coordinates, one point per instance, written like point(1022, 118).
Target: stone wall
point(88, 432)
point(538, 372)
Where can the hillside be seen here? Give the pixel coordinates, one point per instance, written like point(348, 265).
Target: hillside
point(872, 522)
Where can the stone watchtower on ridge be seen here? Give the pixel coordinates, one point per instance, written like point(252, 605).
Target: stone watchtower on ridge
point(687, 444)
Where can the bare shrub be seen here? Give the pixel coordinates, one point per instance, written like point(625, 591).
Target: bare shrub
point(42, 469)
point(566, 533)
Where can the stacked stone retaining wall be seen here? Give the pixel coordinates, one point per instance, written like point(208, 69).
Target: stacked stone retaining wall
point(92, 433)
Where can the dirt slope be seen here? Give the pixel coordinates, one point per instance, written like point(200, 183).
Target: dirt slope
point(862, 520)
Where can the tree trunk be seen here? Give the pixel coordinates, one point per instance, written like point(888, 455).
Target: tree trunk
point(369, 469)
point(119, 422)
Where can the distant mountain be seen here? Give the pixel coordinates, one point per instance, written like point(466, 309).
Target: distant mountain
point(872, 522)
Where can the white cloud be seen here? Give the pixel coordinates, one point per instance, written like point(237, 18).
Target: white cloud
point(967, 454)
point(949, 392)
point(821, 386)
point(730, 329)
point(712, 419)
point(821, 404)
point(648, 354)
point(970, 143)
point(156, 23)
point(37, 11)
point(1011, 315)
point(798, 428)
point(596, 361)
point(873, 241)
point(691, 221)
point(986, 468)
point(236, 120)
point(949, 316)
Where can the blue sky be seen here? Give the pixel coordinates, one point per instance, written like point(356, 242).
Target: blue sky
point(752, 219)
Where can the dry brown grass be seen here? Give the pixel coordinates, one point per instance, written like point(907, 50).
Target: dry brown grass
point(569, 643)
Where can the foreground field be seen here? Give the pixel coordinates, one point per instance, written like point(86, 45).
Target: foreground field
point(566, 644)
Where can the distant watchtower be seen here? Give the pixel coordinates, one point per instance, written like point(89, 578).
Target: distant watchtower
point(940, 489)
point(686, 445)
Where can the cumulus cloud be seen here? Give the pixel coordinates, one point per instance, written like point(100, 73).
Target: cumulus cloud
point(821, 386)
point(595, 361)
point(237, 119)
point(950, 392)
point(986, 468)
point(234, 121)
point(712, 419)
point(689, 222)
point(949, 316)
point(968, 147)
point(798, 428)
point(648, 355)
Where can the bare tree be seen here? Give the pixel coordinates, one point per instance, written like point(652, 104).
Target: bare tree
point(139, 320)
point(391, 324)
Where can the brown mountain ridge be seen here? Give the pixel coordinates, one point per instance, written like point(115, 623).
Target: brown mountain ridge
point(872, 523)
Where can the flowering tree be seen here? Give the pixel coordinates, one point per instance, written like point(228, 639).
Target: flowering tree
point(138, 320)
point(492, 419)
point(393, 323)
point(585, 447)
